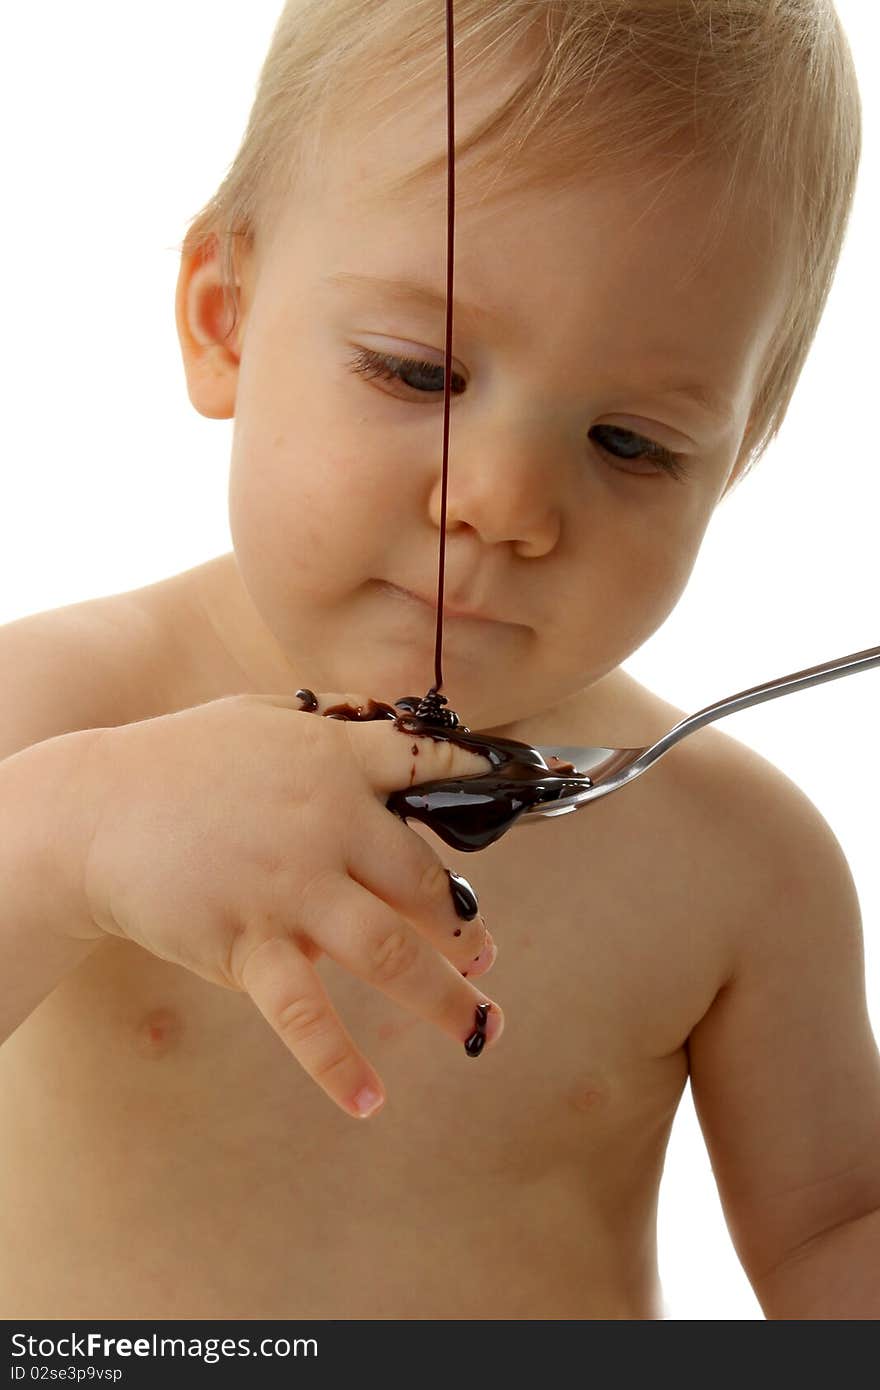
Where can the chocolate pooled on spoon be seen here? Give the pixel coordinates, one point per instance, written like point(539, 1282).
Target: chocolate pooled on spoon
point(469, 813)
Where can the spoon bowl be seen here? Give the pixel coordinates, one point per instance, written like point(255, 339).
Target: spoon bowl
point(606, 770)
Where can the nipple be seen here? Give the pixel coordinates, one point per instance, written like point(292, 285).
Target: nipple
point(158, 1033)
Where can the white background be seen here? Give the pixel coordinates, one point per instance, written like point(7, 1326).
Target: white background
point(119, 122)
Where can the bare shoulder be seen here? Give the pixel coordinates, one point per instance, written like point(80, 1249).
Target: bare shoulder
point(91, 664)
point(725, 865)
point(762, 853)
point(763, 952)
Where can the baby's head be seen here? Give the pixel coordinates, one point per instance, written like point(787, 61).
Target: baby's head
point(651, 197)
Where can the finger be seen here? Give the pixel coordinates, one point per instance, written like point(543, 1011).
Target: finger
point(365, 936)
point(392, 758)
point(291, 997)
point(398, 866)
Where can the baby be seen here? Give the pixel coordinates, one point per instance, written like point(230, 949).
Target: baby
point(236, 989)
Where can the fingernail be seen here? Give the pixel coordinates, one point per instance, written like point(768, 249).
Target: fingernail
point(367, 1100)
point(463, 896)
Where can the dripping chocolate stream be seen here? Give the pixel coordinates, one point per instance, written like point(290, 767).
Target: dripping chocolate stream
point(469, 813)
point(447, 361)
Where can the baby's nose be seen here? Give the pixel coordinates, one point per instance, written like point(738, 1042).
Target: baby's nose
point(501, 498)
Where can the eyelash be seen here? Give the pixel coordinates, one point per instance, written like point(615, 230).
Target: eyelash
point(376, 364)
point(373, 364)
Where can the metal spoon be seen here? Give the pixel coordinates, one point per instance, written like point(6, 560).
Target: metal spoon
point(607, 769)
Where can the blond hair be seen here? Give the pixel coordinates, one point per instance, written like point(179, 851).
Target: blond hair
point(765, 87)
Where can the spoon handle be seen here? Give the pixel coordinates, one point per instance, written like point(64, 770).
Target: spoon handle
point(770, 690)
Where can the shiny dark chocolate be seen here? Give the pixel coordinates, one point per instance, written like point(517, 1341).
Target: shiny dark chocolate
point(463, 896)
point(477, 1040)
point(472, 812)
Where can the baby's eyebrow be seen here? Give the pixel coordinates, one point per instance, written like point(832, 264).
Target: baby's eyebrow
point(416, 292)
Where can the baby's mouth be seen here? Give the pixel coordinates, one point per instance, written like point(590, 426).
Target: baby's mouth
point(430, 605)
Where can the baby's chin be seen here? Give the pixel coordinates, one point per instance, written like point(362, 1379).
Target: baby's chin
point(489, 679)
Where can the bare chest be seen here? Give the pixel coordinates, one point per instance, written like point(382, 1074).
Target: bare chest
point(595, 973)
point(180, 1141)
point(172, 1120)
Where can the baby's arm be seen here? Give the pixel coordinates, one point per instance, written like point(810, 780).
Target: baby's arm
point(58, 676)
point(39, 876)
point(786, 1075)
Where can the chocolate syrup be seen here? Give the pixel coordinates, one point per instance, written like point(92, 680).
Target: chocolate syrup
point(477, 1040)
point(463, 896)
point(373, 709)
point(309, 699)
point(469, 813)
point(447, 360)
point(472, 812)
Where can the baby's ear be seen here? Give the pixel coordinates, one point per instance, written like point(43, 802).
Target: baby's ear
point(208, 340)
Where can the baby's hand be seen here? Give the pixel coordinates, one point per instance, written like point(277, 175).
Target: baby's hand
point(245, 838)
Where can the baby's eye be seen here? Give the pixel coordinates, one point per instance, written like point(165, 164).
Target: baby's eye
point(625, 445)
point(423, 378)
point(426, 379)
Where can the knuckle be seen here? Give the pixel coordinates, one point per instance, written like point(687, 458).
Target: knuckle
point(447, 760)
point(337, 1064)
point(301, 1019)
point(248, 951)
point(392, 954)
point(236, 950)
point(438, 756)
point(446, 757)
point(314, 895)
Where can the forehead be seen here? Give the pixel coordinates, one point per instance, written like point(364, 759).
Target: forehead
point(652, 253)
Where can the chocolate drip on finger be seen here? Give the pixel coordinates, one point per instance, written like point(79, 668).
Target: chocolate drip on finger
point(477, 1040)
